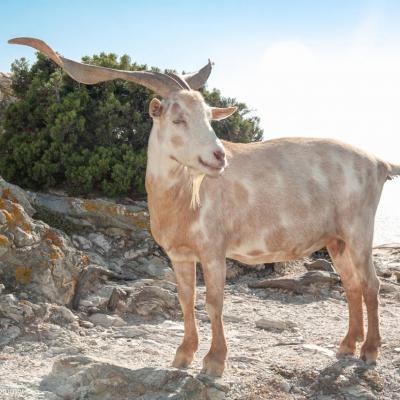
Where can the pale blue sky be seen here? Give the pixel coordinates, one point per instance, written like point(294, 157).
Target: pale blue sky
point(182, 34)
point(326, 68)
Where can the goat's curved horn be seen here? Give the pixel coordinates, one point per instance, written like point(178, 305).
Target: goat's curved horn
point(161, 84)
point(180, 80)
point(198, 79)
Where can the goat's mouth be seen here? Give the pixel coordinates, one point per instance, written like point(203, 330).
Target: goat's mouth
point(216, 169)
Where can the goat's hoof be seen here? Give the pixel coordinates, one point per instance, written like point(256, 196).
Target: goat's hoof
point(182, 360)
point(346, 349)
point(369, 353)
point(213, 367)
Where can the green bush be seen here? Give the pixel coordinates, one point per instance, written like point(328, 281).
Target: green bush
point(88, 139)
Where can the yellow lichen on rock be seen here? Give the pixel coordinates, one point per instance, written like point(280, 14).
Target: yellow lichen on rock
point(20, 220)
point(14, 215)
point(9, 218)
point(139, 219)
point(95, 206)
point(56, 254)
point(53, 238)
point(8, 195)
point(2, 203)
point(4, 242)
point(85, 260)
point(55, 243)
point(23, 275)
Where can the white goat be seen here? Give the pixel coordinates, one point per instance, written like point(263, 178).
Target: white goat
point(262, 202)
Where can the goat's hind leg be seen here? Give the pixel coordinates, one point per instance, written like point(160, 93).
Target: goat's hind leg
point(370, 289)
point(343, 264)
point(185, 273)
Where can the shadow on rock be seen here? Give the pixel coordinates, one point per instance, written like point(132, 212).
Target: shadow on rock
point(347, 378)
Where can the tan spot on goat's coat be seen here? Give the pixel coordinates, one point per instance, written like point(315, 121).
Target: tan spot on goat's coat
point(177, 141)
point(241, 194)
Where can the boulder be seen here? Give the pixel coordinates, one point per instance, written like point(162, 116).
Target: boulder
point(319, 264)
point(18, 311)
point(81, 242)
point(106, 321)
point(304, 283)
point(357, 392)
point(101, 242)
point(16, 195)
point(9, 332)
point(154, 299)
point(33, 255)
point(92, 212)
point(14, 315)
point(149, 298)
point(155, 268)
point(79, 377)
point(59, 315)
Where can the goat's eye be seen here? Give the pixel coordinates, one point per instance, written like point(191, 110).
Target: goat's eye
point(179, 122)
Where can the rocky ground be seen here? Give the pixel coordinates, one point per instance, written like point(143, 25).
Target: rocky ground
point(88, 310)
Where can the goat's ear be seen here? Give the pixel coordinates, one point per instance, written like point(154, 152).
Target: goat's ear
point(155, 108)
point(221, 113)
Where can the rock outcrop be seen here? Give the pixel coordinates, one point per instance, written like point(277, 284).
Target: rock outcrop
point(93, 213)
point(80, 377)
point(33, 256)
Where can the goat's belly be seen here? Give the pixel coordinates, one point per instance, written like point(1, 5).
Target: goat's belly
point(260, 259)
point(250, 254)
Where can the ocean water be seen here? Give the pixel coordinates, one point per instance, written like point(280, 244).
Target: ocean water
point(387, 230)
point(387, 221)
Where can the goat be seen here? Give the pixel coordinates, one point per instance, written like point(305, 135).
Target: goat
point(270, 201)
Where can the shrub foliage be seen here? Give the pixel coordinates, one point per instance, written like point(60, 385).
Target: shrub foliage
point(88, 139)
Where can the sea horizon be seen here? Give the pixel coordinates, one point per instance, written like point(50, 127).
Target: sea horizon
point(387, 221)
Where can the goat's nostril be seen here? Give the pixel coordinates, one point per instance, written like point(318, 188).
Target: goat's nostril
point(219, 155)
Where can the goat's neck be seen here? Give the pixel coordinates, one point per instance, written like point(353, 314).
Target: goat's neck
point(163, 172)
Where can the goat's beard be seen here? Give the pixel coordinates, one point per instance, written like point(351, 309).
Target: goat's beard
point(197, 179)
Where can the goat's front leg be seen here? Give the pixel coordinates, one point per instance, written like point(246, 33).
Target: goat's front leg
point(185, 273)
point(214, 276)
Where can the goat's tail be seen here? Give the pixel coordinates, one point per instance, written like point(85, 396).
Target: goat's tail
point(393, 170)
